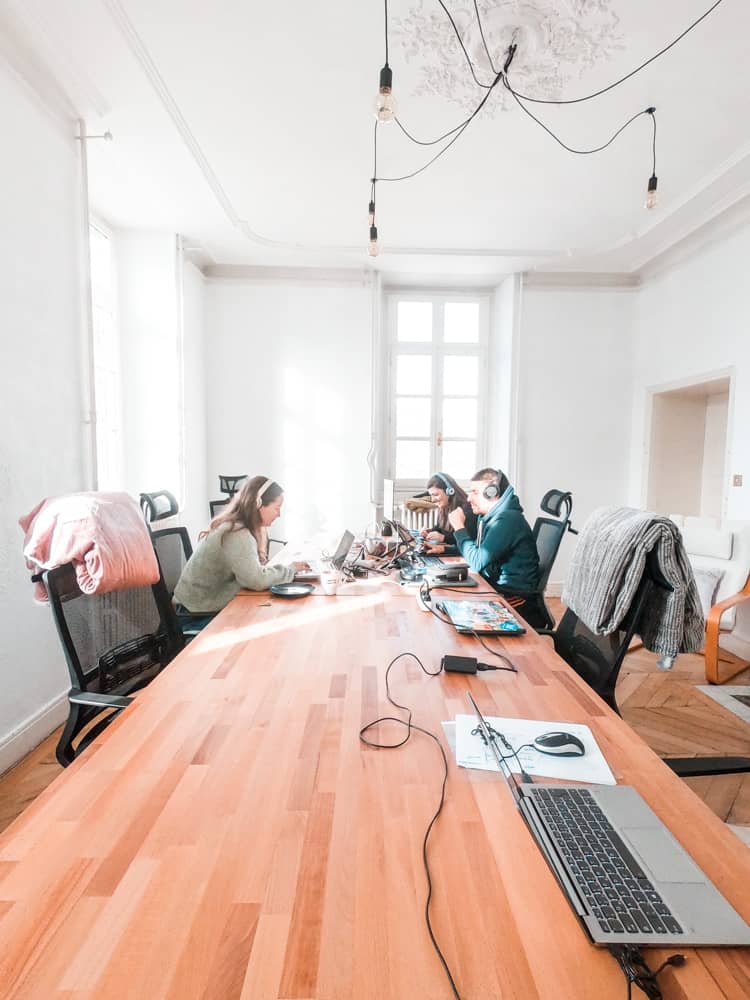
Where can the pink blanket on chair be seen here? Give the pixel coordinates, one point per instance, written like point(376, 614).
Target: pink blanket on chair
point(102, 534)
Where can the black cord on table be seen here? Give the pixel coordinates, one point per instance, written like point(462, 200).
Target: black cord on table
point(409, 726)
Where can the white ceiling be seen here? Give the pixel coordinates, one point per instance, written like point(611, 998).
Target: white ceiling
point(248, 128)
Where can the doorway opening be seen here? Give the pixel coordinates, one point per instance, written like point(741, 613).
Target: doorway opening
point(688, 448)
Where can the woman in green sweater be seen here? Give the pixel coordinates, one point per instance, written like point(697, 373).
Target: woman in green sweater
point(233, 554)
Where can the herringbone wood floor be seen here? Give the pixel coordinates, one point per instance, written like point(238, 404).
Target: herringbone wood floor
point(664, 708)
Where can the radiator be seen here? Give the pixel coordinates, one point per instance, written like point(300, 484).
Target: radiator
point(415, 520)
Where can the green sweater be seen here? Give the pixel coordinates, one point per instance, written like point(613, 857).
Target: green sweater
point(224, 563)
point(507, 556)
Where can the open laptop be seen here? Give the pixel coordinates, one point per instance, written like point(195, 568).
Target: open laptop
point(627, 878)
point(338, 558)
point(484, 617)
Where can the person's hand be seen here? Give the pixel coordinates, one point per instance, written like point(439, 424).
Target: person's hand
point(457, 519)
point(424, 532)
point(434, 550)
point(301, 567)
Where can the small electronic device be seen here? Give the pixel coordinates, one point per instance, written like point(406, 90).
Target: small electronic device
point(487, 617)
point(559, 745)
point(448, 572)
point(459, 664)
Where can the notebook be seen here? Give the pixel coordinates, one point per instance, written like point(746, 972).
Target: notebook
point(485, 617)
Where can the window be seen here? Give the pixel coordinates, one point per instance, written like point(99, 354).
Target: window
point(106, 363)
point(438, 377)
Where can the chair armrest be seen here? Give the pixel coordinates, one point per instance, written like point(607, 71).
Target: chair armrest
point(546, 631)
point(713, 621)
point(97, 700)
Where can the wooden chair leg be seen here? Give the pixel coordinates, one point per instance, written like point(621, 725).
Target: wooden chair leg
point(716, 664)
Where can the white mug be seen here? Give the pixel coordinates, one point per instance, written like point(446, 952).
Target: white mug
point(329, 581)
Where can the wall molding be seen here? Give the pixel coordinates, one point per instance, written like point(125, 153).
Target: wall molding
point(581, 281)
point(305, 275)
point(29, 734)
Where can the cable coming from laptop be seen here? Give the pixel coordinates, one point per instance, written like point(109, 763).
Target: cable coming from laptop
point(409, 725)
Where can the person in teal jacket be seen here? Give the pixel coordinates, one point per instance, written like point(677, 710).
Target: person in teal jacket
point(504, 552)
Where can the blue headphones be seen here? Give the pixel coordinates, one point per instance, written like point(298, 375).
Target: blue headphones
point(449, 491)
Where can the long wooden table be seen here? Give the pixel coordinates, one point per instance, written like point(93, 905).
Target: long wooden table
point(230, 836)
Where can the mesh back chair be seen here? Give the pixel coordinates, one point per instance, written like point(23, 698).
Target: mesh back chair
point(598, 659)
point(114, 644)
point(548, 534)
point(158, 506)
point(230, 484)
point(216, 506)
point(173, 549)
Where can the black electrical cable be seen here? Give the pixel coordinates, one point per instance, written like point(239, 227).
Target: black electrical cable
point(484, 40)
point(598, 93)
point(447, 146)
point(486, 86)
point(579, 152)
point(409, 726)
point(637, 971)
point(652, 112)
point(386, 31)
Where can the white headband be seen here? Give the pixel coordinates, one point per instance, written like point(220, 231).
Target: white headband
point(262, 490)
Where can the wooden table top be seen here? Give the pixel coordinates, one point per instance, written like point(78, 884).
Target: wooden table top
point(229, 836)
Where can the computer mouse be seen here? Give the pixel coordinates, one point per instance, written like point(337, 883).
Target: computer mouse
point(560, 745)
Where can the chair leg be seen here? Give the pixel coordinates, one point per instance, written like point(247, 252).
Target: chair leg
point(697, 767)
point(714, 662)
point(64, 751)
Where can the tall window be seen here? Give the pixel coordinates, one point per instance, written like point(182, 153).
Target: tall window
point(106, 363)
point(438, 378)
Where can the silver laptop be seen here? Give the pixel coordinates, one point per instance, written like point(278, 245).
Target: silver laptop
point(338, 558)
point(627, 878)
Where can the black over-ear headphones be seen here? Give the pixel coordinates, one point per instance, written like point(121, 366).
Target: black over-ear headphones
point(449, 491)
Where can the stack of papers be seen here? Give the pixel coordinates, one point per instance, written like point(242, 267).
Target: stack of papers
point(470, 750)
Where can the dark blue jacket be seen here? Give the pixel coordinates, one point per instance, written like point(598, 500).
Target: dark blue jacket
point(506, 556)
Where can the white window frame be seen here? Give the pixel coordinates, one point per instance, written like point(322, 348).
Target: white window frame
point(436, 349)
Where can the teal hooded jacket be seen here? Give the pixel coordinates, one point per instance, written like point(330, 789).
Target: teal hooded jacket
point(506, 556)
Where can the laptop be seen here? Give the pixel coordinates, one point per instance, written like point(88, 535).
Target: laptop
point(485, 617)
point(626, 877)
point(338, 558)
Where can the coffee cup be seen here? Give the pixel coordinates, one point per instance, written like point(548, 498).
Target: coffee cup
point(329, 581)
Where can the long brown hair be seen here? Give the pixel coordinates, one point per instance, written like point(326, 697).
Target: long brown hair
point(243, 510)
point(440, 481)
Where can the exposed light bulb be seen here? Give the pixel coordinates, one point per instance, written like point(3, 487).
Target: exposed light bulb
point(651, 196)
point(371, 214)
point(372, 247)
point(385, 102)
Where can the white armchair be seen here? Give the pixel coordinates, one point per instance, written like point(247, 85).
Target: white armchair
point(720, 556)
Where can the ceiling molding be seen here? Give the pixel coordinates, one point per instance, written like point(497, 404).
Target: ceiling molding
point(715, 230)
point(574, 280)
point(306, 275)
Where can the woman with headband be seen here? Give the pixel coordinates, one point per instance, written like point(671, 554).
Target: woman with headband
point(447, 495)
point(233, 554)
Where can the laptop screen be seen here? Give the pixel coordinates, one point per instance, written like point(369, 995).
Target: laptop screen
point(343, 549)
point(486, 617)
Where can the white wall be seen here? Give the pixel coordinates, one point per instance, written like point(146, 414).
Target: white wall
point(41, 446)
point(575, 391)
point(678, 433)
point(689, 323)
point(714, 455)
point(147, 286)
point(505, 323)
point(288, 395)
point(195, 488)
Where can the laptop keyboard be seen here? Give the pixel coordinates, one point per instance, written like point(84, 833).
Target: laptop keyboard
point(616, 889)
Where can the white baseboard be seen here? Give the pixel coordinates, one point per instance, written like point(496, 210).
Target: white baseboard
point(21, 740)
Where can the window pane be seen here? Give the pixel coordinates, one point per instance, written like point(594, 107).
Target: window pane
point(460, 457)
point(459, 417)
point(413, 459)
point(462, 322)
point(413, 417)
point(460, 375)
point(415, 321)
point(414, 374)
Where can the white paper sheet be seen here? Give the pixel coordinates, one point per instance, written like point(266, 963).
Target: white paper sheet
point(471, 751)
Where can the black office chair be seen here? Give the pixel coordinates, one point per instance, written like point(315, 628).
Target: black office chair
point(114, 644)
point(173, 549)
point(158, 506)
point(230, 484)
point(548, 534)
point(216, 506)
point(598, 659)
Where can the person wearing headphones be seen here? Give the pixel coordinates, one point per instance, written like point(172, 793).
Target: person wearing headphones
point(447, 495)
point(233, 554)
point(504, 551)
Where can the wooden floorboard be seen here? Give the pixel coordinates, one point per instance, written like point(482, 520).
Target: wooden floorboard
point(665, 709)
